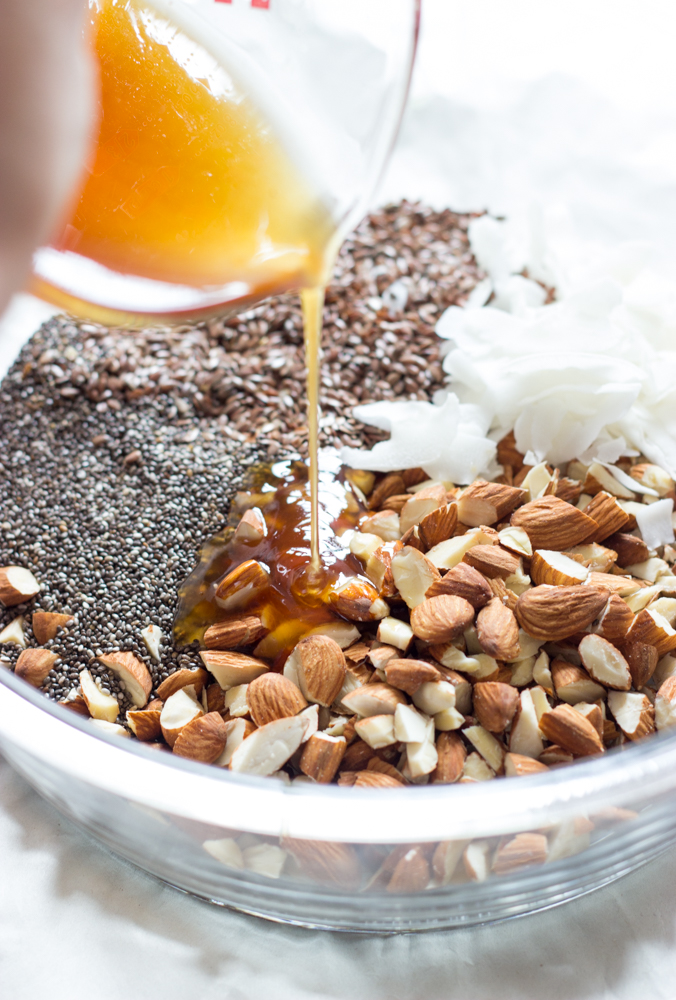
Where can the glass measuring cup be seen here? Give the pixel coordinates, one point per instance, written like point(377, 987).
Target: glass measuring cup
point(238, 141)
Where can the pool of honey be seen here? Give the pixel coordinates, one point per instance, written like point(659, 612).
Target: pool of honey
point(189, 183)
point(296, 601)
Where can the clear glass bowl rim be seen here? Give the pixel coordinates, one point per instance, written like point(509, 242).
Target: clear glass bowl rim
point(70, 744)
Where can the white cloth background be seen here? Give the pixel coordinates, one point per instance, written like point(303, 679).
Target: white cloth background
point(514, 101)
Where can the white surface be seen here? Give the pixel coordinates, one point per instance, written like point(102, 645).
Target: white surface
point(77, 924)
point(495, 122)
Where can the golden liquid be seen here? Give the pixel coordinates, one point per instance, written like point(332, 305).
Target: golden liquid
point(289, 608)
point(188, 183)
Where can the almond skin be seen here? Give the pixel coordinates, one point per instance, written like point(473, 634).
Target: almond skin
point(630, 549)
point(389, 486)
point(487, 503)
point(452, 754)
point(325, 862)
point(359, 601)
point(497, 631)
point(33, 665)
point(202, 739)
point(411, 873)
point(492, 561)
point(642, 659)
point(234, 633)
point(516, 765)
point(182, 678)
point(524, 849)
point(46, 624)
point(615, 620)
point(495, 705)
point(606, 511)
point(242, 586)
point(407, 675)
point(438, 525)
point(322, 757)
point(440, 619)
point(644, 628)
point(466, 582)
point(321, 668)
point(551, 523)
point(145, 724)
point(552, 613)
point(271, 697)
point(571, 730)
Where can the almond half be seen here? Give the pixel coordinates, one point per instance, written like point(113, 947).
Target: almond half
point(605, 662)
point(231, 669)
point(243, 586)
point(17, 585)
point(180, 679)
point(487, 503)
point(46, 624)
point(202, 739)
point(132, 672)
point(556, 568)
point(33, 666)
point(235, 632)
point(571, 730)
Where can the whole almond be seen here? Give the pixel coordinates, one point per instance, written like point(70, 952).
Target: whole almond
point(571, 730)
point(321, 668)
point(466, 582)
point(407, 675)
point(452, 754)
point(551, 523)
point(234, 632)
point(440, 619)
point(495, 705)
point(271, 696)
point(202, 739)
point(552, 613)
point(497, 631)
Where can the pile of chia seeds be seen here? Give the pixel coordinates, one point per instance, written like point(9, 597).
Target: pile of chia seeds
point(120, 452)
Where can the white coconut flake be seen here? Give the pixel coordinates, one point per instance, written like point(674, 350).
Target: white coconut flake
point(591, 376)
point(446, 438)
point(654, 523)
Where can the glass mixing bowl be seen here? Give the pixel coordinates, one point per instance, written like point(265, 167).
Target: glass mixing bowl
point(376, 860)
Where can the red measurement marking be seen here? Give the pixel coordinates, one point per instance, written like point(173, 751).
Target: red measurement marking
point(265, 4)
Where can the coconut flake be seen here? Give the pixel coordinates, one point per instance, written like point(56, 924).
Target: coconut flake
point(591, 376)
point(654, 522)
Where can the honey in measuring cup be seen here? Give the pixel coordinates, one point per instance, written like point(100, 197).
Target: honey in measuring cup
point(189, 183)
